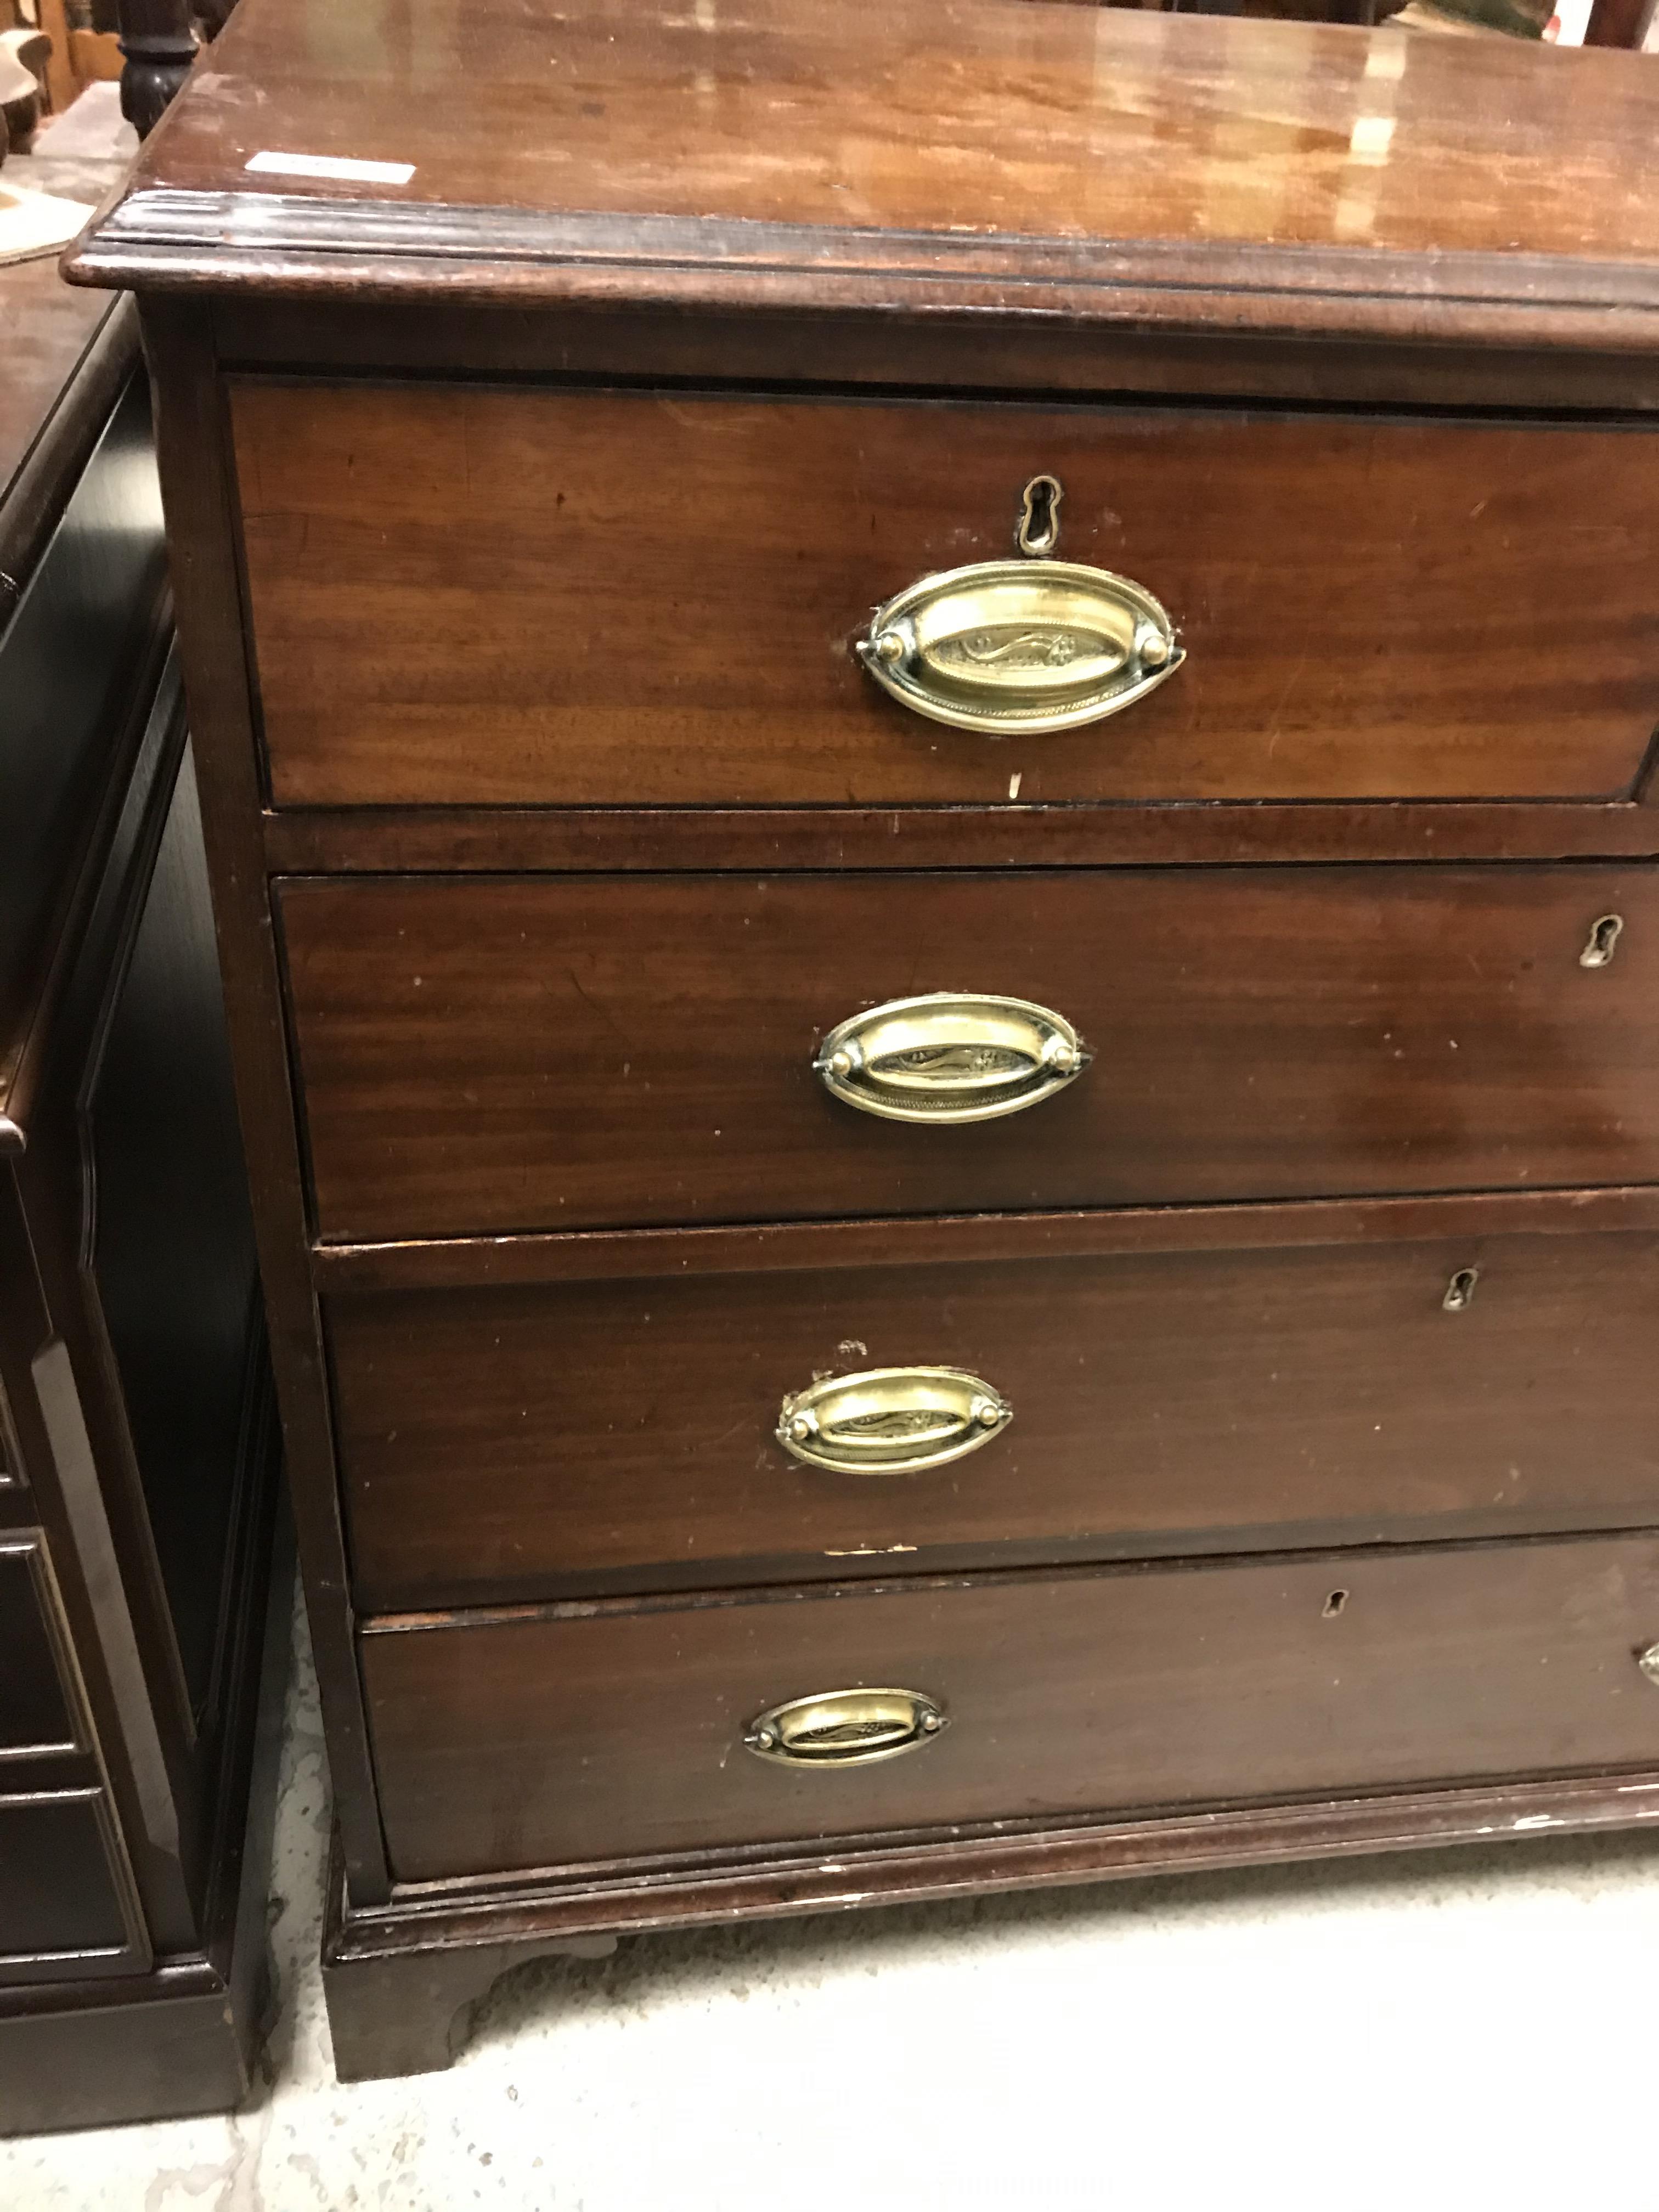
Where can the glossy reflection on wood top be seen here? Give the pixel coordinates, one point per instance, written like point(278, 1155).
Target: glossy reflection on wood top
point(1026, 120)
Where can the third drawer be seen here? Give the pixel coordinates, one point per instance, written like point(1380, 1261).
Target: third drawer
point(522, 1442)
point(482, 1054)
point(541, 1738)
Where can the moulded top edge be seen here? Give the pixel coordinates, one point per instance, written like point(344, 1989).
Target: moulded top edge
point(363, 252)
point(1013, 156)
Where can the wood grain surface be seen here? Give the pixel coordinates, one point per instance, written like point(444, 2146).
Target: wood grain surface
point(544, 1739)
point(492, 1055)
point(593, 840)
point(191, 442)
point(554, 598)
point(596, 1255)
point(962, 350)
point(525, 1443)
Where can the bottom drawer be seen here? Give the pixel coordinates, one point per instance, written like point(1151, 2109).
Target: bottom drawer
point(577, 1734)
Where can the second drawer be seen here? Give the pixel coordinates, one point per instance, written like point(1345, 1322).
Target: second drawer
point(509, 1444)
point(482, 1054)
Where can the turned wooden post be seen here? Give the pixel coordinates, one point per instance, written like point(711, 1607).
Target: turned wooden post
point(158, 45)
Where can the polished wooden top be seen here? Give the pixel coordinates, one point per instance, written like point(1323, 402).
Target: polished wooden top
point(1006, 154)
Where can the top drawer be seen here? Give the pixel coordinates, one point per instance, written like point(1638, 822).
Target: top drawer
point(470, 596)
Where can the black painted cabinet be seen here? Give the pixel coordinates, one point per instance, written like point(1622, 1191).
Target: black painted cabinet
point(140, 1649)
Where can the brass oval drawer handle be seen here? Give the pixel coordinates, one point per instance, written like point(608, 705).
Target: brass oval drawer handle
point(1011, 646)
point(891, 1420)
point(949, 1056)
point(844, 1728)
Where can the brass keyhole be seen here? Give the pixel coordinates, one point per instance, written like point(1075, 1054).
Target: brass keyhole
point(1039, 522)
point(1461, 1290)
point(1603, 940)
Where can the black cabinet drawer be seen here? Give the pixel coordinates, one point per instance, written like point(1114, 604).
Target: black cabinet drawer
point(61, 1884)
point(35, 1711)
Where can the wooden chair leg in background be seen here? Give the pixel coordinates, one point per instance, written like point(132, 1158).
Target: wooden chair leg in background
point(158, 45)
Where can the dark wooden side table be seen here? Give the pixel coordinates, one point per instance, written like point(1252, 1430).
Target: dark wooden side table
point(141, 1645)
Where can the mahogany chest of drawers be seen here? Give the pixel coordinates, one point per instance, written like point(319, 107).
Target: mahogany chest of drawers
point(926, 737)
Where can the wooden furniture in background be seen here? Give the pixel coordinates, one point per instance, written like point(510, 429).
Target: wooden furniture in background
point(81, 51)
point(62, 84)
point(1623, 23)
point(158, 42)
point(1619, 23)
point(1289, 1479)
point(138, 1436)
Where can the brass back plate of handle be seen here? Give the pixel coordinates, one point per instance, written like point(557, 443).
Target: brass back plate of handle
point(951, 1056)
point(1011, 646)
point(844, 1728)
point(891, 1420)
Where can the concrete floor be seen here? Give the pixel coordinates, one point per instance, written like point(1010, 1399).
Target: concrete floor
point(1475, 2029)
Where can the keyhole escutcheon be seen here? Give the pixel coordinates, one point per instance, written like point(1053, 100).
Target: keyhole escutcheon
point(1603, 941)
point(1039, 522)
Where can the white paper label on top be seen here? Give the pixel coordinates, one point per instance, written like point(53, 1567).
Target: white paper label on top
point(329, 164)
